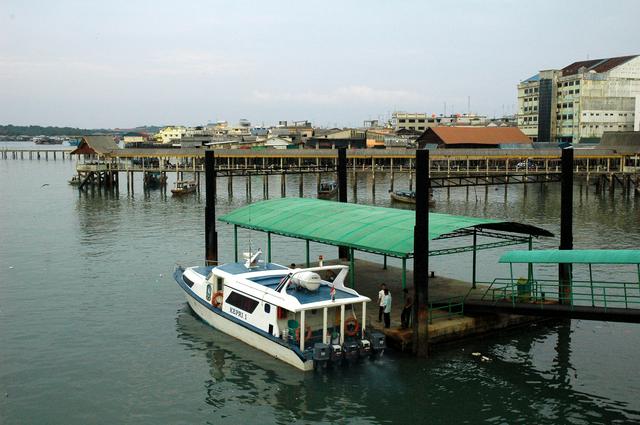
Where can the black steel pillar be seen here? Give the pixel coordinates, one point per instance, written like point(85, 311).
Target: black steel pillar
point(421, 257)
point(343, 251)
point(211, 236)
point(566, 223)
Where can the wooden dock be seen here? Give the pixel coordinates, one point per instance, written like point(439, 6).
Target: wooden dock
point(448, 168)
point(444, 327)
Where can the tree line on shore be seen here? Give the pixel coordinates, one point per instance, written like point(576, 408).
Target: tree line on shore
point(38, 130)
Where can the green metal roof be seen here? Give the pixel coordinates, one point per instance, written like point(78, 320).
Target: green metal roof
point(576, 256)
point(366, 228)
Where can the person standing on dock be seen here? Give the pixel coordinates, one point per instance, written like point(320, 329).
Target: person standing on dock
point(405, 316)
point(387, 308)
point(380, 303)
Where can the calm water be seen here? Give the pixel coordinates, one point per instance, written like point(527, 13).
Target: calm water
point(94, 330)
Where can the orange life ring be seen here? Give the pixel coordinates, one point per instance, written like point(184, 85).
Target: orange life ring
point(306, 336)
point(356, 326)
point(216, 299)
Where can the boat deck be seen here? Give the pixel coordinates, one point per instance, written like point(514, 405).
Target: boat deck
point(304, 296)
point(240, 268)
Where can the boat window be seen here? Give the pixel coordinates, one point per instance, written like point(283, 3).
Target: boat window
point(267, 307)
point(243, 303)
point(187, 281)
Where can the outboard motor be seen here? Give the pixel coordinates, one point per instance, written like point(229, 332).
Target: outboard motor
point(378, 343)
point(321, 354)
point(351, 349)
point(336, 353)
point(364, 348)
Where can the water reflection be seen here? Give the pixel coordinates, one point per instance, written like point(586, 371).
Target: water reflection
point(451, 387)
point(245, 377)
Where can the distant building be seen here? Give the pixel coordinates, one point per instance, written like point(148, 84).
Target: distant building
point(621, 141)
point(578, 103)
point(348, 138)
point(132, 139)
point(170, 134)
point(409, 120)
point(376, 138)
point(298, 131)
point(276, 142)
point(473, 138)
point(96, 147)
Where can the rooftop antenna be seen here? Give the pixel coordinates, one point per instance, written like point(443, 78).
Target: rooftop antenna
point(468, 105)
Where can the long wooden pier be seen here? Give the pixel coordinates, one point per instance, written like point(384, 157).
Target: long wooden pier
point(605, 168)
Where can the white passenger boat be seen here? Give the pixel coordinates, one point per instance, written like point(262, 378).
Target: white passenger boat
point(183, 187)
point(292, 314)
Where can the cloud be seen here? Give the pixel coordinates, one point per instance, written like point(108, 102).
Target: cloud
point(170, 63)
point(341, 95)
point(189, 63)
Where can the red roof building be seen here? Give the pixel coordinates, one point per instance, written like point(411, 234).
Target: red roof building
point(474, 137)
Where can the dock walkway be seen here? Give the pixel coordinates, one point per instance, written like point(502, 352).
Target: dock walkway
point(370, 275)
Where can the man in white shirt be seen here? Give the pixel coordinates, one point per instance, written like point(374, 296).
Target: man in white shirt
point(381, 301)
point(387, 308)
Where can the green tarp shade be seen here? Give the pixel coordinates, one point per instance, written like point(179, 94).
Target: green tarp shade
point(576, 256)
point(374, 229)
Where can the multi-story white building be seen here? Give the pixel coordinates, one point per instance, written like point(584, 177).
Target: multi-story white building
point(581, 101)
point(409, 121)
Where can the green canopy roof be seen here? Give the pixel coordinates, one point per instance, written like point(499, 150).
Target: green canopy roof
point(362, 227)
point(576, 256)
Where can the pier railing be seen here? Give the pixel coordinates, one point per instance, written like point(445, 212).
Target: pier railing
point(609, 294)
point(446, 308)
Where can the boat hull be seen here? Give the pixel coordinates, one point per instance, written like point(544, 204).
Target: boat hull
point(410, 200)
point(179, 192)
point(244, 333)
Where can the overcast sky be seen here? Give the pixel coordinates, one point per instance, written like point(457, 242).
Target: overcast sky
point(121, 64)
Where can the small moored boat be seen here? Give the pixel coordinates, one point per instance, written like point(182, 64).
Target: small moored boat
point(409, 197)
point(183, 187)
point(294, 315)
point(327, 190)
point(44, 140)
point(75, 180)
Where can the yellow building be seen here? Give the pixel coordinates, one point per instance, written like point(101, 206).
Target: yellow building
point(170, 134)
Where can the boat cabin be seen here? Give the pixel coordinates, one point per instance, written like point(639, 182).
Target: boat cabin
point(298, 306)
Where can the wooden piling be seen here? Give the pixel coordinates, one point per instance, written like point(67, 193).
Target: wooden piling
point(265, 195)
point(343, 251)
point(301, 186)
point(566, 223)
point(283, 185)
point(392, 176)
point(211, 236)
point(421, 257)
